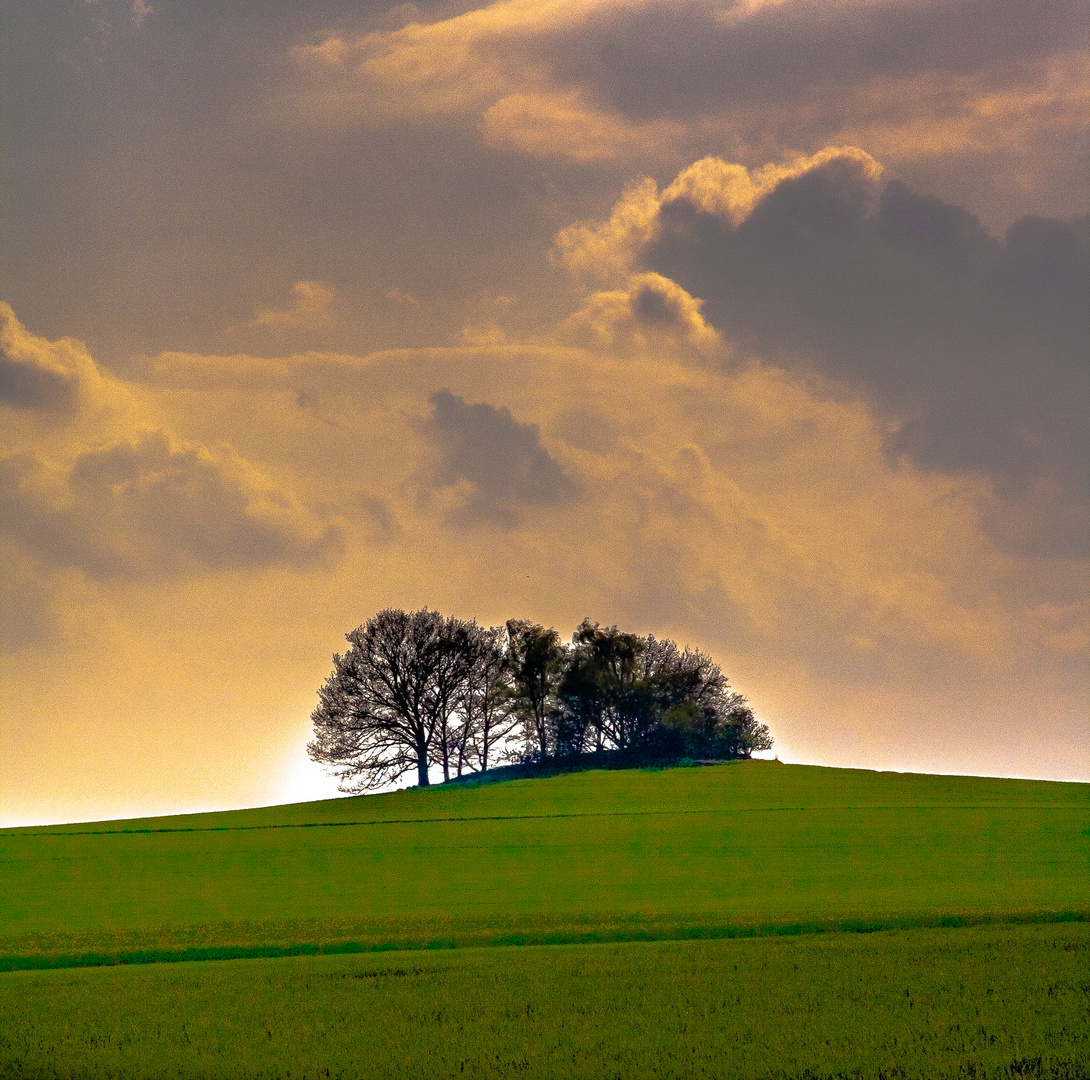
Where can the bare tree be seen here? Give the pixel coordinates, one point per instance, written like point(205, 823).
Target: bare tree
point(488, 718)
point(378, 712)
point(445, 699)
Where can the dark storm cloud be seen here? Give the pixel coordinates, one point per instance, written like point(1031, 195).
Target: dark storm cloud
point(148, 508)
point(980, 343)
point(504, 460)
point(690, 58)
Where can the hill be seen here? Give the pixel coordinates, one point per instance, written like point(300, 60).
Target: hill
point(606, 855)
point(980, 972)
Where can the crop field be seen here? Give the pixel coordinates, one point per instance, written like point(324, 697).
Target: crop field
point(661, 875)
point(981, 1002)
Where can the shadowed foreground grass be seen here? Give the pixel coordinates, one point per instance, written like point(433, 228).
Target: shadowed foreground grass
point(984, 1002)
point(333, 937)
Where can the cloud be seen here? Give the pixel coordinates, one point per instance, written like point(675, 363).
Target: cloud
point(974, 345)
point(758, 504)
point(309, 311)
point(613, 249)
point(737, 55)
point(54, 398)
point(41, 376)
point(743, 506)
point(476, 63)
point(563, 125)
point(650, 312)
point(92, 481)
point(491, 465)
point(452, 63)
point(141, 9)
point(150, 507)
point(604, 79)
point(483, 326)
point(30, 385)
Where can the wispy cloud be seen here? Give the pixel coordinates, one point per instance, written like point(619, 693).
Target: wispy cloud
point(311, 308)
point(605, 79)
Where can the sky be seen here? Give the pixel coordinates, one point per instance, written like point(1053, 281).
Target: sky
point(755, 324)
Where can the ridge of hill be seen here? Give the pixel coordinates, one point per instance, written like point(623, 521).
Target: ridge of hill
point(711, 851)
point(750, 786)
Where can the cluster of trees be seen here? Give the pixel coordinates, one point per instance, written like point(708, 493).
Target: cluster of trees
point(418, 689)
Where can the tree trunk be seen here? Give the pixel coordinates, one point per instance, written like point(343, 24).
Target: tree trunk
point(422, 768)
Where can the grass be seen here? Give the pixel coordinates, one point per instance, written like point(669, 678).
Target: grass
point(980, 1002)
point(702, 888)
point(742, 845)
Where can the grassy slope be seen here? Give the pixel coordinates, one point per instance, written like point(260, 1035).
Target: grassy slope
point(743, 843)
point(583, 855)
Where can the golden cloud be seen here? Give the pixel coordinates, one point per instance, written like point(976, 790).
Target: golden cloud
point(105, 490)
point(927, 116)
point(50, 380)
point(612, 249)
point(476, 62)
point(563, 125)
point(447, 65)
point(595, 80)
point(738, 507)
point(651, 312)
point(150, 507)
point(745, 491)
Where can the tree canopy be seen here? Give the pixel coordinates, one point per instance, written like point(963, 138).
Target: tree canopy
point(419, 689)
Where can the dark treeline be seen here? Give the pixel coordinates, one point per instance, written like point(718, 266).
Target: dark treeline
point(418, 689)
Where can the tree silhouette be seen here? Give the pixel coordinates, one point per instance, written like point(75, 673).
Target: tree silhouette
point(453, 660)
point(698, 713)
point(601, 688)
point(488, 718)
point(378, 712)
point(535, 659)
point(417, 689)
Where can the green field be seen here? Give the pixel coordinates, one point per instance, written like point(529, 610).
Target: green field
point(608, 857)
point(733, 845)
point(984, 1002)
